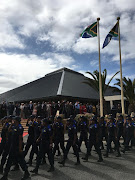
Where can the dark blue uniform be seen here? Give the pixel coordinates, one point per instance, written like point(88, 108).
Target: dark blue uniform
point(14, 152)
point(83, 126)
point(3, 136)
point(102, 133)
point(120, 130)
point(58, 129)
point(35, 145)
point(112, 136)
point(7, 143)
point(129, 134)
point(93, 141)
point(30, 137)
point(45, 139)
point(72, 132)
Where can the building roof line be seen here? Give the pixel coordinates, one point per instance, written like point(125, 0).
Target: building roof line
point(61, 83)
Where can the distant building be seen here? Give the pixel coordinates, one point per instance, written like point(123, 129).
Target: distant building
point(61, 84)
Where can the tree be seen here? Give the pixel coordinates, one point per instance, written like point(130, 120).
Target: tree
point(129, 92)
point(94, 83)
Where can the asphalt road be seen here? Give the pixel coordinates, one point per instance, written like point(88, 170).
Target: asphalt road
point(112, 168)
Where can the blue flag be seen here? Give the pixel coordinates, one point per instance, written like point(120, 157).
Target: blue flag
point(112, 33)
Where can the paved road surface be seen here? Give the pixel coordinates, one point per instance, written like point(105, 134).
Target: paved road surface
point(111, 168)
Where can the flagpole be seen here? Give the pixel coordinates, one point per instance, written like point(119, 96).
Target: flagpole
point(121, 82)
point(100, 79)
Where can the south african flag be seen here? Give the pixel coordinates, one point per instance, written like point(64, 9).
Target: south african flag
point(90, 31)
point(112, 33)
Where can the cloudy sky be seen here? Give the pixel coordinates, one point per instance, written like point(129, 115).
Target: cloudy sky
point(38, 37)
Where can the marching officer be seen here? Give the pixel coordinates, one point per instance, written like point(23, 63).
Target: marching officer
point(15, 152)
point(58, 135)
point(4, 134)
point(93, 139)
point(112, 136)
point(129, 133)
point(102, 131)
point(120, 128)
point(45, 140)
point(7, 136)
point(35, 145)
point(30, 124)
point(83, 127)
point(72, 137)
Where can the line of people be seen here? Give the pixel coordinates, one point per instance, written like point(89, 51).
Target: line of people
point(45, 136)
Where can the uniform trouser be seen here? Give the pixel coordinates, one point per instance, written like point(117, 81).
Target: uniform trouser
point(5, 154)
point(75, 149)
point(127, 141)
point(34, 150)
point(2, 146)
point(92, 142)
point(109, 141)
point(120, 134)
point(102, 136)
point(45, 148)
point(28, 145)
point(83, 137)
point(56, 145)
point(14, 155)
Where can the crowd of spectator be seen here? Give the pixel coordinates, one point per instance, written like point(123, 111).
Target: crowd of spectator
point(46, 109)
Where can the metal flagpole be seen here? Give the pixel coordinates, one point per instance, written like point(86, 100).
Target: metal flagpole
point(121, 82)
point(100, 79)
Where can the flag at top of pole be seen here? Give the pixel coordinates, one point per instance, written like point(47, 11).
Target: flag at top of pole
point(93, 31)
point(90, 31)
point(112, 33)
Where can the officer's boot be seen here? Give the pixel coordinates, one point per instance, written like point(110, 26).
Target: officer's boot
point(5, 176)
point(26, 175)
point(1, 169)
point(35, 171)
point(29, 162)
point(15, 168)
point(62, 162)
point(43, 161)
point(51, 169)
point(100, 158)
point(78, 161)
point(86, 157)
point(118, 155)
point(106, 154)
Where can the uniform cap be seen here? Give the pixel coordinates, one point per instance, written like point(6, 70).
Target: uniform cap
point(39, 117)
point(45, 120)
point(17, 118)
point(32, 116)
point(4, 118)
point(58, 117)
point(102, 117)
point(69, 120)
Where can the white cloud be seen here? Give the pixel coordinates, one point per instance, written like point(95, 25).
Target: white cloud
point(18, 69)
point(61, 22)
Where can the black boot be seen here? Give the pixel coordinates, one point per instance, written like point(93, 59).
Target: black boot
point(15, 168)
point(43, 162)
point(118, 155)
point(34, 171)
point(29, 162)
point(106, 155)
point(26, 175)
point(62, 162)
point(100, 159)
point(4, 177)
point(86, 157)
point(77, 163)
point(51, 169)
point(1, 170)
